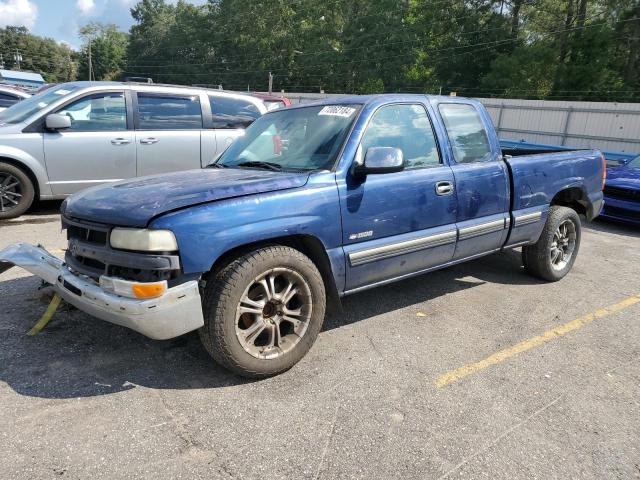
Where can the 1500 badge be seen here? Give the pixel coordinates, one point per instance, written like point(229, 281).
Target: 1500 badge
point(357, 236)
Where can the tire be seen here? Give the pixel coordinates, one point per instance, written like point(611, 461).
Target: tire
point(555, 252)
point(263, 311)
point(16, 191)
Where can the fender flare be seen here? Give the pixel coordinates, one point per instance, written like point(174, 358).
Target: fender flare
point(34, 168)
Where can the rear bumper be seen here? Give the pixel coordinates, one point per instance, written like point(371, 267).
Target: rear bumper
point(177, 312)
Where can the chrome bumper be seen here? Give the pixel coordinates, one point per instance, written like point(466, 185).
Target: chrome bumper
point(177, 312)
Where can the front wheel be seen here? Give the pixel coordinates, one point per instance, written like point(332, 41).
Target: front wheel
point(263, 311)
point(553, 255)
point(16, 191)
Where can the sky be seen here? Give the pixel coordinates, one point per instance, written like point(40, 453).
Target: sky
point(61, 19)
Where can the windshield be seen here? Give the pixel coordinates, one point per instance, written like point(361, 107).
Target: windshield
point(305, 139)
point(635, 163)
point(24, 109)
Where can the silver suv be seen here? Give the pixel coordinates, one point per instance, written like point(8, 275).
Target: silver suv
point(80, 134)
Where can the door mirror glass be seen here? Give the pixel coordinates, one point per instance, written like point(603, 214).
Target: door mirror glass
point(381, 160)
point(56, 121)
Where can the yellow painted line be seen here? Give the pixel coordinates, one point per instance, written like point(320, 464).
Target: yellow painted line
point(459, 373)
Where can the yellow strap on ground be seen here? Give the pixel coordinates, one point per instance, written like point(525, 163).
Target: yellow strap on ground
point(51, 309)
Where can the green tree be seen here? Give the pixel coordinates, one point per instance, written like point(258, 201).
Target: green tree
point(578, 49)
point(108, 53)
point(54, 61)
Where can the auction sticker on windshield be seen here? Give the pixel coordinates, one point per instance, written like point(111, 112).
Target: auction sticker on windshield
point(337, 111)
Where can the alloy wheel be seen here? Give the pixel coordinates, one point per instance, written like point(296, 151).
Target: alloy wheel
point(10, 192)
point(563, 245)
point(274, 313)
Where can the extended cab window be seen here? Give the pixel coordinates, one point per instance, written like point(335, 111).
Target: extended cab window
point(169, 112)
point(406, 127)
point(232, 112)
point(466, 133)
point(96, 113)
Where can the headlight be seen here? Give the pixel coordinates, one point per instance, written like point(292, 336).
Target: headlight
point(143, 240)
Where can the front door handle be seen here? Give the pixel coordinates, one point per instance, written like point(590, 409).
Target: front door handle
point(444, 188)
point(120, 141)
point(148, 140)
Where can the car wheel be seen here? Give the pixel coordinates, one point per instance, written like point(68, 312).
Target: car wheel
point(553, 255)
point(16, 191)
point(263, 311)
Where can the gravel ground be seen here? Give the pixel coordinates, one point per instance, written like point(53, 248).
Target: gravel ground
point(85, 398)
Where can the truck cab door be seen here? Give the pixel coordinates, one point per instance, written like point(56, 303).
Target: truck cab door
point(481, 180)
point(98, 147)
point(397, 224)
point(168, 131)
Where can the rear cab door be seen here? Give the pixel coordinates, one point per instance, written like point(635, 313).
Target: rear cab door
point(168, 127)
point(481, 177)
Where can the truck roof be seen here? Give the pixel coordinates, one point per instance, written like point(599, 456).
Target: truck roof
point(378, 99)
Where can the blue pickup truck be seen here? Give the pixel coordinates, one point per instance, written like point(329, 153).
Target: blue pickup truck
point(313, 203)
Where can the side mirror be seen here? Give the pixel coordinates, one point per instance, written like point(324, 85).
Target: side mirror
point(56, 121)
point(381, 160)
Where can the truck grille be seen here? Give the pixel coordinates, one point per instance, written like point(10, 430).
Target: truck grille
point(89, 254)
point(87, 233)
point(622, 193)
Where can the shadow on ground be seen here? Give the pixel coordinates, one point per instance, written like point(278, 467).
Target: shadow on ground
point(77, 356)
point(39, 213)
point(614, 227)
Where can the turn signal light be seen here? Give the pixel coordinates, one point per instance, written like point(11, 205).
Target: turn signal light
point(129, 289)
point(149, 290)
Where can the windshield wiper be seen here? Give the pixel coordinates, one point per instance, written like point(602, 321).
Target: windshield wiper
point(264, 165)
point(217, 165)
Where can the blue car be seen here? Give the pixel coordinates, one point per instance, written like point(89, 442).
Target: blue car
point(622, 193)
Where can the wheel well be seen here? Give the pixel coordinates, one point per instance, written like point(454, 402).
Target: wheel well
point(307, 244)
point(27, 171)
point(573, 198)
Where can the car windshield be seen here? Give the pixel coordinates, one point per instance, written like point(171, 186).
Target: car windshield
point(635, 163)
point(24, 109)
point(306, 138)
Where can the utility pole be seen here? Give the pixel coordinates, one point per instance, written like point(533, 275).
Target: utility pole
point(90, 65)
point(17, 57)
point(270, 83)
point(1, 61)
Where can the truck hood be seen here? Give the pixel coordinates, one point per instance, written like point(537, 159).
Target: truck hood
point(624, 177)
point(133, 203)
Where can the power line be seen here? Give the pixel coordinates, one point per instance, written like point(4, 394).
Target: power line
point(492, 43)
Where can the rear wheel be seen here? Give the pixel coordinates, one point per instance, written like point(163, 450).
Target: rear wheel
point(16, 191)
point(553, 255)
point(263, 311)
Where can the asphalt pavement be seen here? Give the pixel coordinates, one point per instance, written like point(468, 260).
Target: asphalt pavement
point(475, 371)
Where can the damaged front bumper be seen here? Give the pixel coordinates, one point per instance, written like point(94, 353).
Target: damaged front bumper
point(176, 312)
